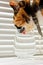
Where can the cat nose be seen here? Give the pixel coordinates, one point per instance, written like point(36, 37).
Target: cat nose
point(22, 29)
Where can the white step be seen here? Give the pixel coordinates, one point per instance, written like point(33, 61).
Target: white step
point(6, 9)
point(24, 52)
point(7, 27)
point(7, 42)
point(25, 39)
point(24, 45)
point(6, 15)
point(4, 2)
point(6, 20)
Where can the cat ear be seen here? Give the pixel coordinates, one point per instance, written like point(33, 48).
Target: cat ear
point(22, 3)
point(11, 3)
point(37, 2)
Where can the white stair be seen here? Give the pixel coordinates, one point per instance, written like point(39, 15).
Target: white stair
point(11, 42)
point(7, 30)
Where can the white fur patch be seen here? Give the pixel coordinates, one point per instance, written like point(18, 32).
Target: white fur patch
point(31, 2)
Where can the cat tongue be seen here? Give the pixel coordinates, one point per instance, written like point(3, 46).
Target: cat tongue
point(24, 32)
